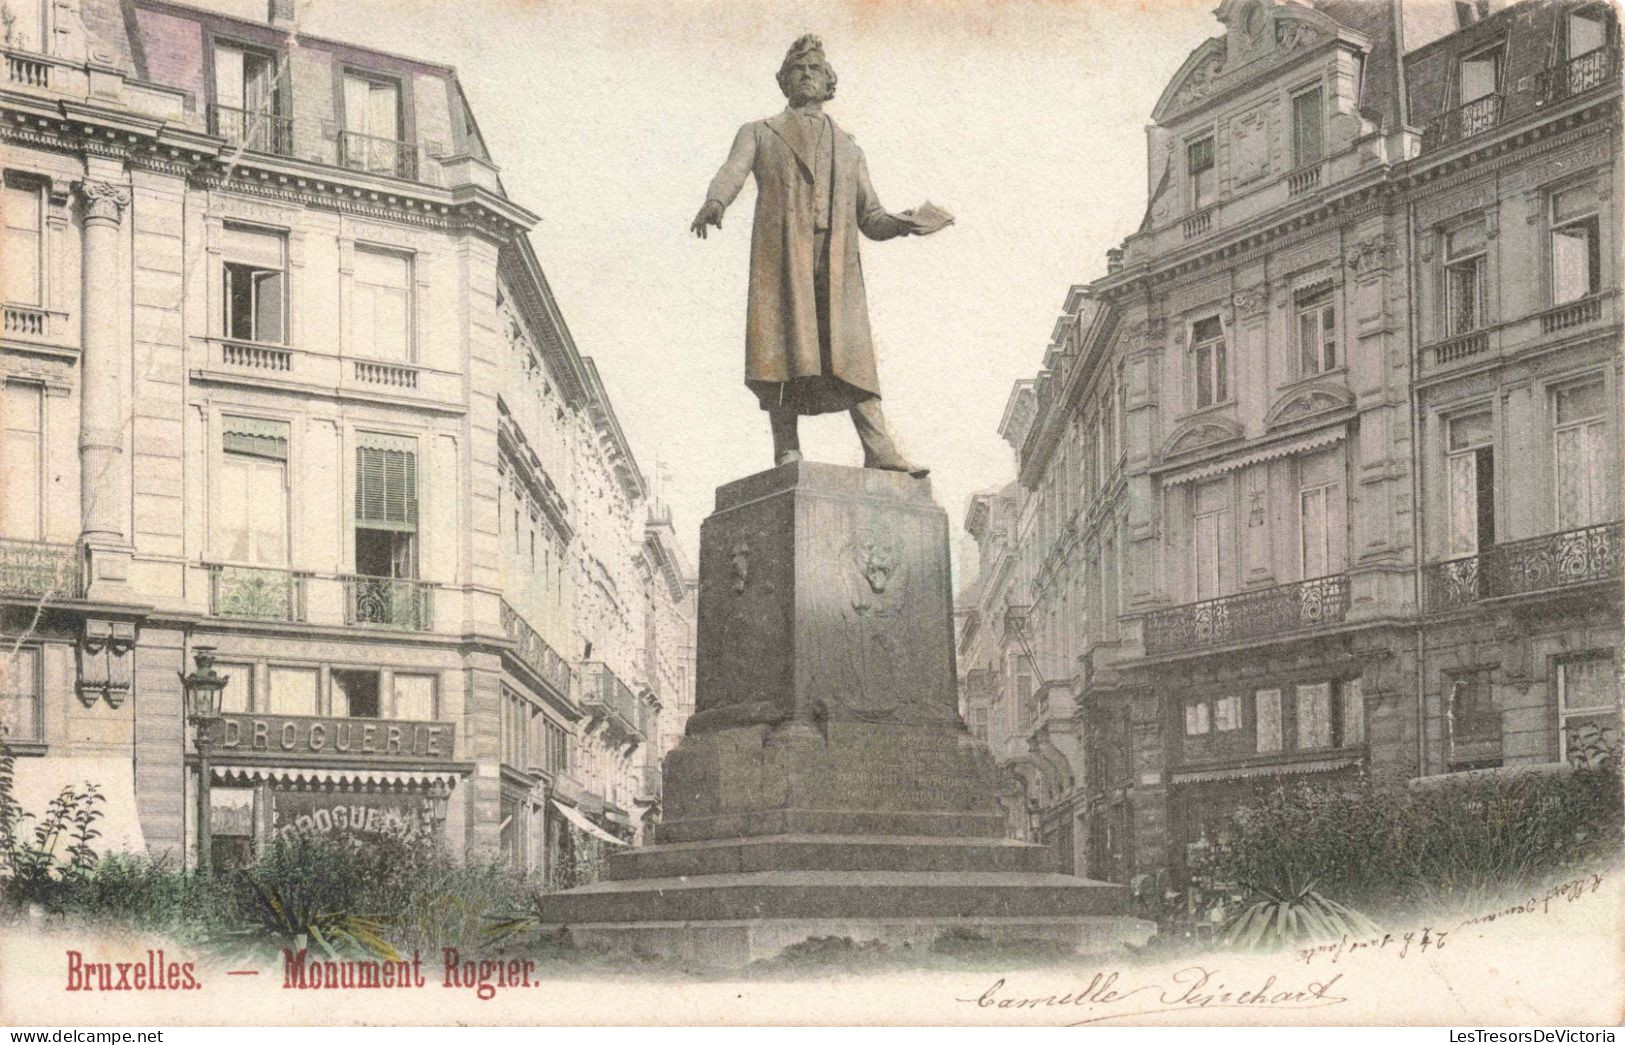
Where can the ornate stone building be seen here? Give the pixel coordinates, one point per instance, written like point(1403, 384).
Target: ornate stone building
point(1323, 472)
point(283, 377)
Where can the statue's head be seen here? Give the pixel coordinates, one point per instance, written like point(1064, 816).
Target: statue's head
point(805, 75)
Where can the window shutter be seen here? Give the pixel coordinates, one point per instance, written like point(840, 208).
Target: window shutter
point(255, 437)
point(386, 495)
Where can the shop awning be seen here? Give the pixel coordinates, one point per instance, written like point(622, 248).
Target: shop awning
point(1283, 769)
point(36, 781)
point(586, 825)
point(294, 776)
point(1208, 469)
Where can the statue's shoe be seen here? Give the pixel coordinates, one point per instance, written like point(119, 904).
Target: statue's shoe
point(897, 464)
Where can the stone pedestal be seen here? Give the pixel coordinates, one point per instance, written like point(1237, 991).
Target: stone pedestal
point(826, 784)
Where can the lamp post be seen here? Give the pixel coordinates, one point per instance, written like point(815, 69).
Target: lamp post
point(204, 688)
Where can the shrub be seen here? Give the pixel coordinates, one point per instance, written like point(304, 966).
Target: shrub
point(32, 869)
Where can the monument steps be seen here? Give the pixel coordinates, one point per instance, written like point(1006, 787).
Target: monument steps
point(828, 853)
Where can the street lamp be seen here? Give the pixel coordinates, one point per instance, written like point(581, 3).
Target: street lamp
point(204, 688)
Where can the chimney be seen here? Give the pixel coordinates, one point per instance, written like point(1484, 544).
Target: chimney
point(282, 14)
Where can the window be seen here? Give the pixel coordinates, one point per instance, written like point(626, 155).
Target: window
point(372, 126)
point(1470, 468)
point(1227, 714)
point(1197, 722)
point(1212, 368)
point(1313, 705)
point(22, 449)
point(24, 242)
point(238, 696)
point(1211, 539)
point(1480, 79)
point(1306, 128)
point(247, 99)
point(231, 828)
point(355, 694)
point(254, 288)
point(386, 508)
point(1576, 252)
point(1321, 514)
point(1353, 694)
point(20, 694)
point(1024, 694)
point(1317, 329)
point(250, 508)
point(1470, 709)
point(557, 742)
point(1464, 293)
point(293, 691)
point(1586, 37)
point(1199, 164)
point(1267, 710)
point(414, 698)
point(1580, 420)
point(1588, 709)
point(380, 305)
point(26, 25)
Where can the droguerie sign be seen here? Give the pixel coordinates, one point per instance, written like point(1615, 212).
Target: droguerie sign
point(309, 737)
point(299, 812)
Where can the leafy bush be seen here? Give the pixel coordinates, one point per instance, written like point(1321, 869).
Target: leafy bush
point(32, 871)
point(1448, 842)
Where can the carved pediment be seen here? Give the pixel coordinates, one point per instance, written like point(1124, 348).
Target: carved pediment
point(1199, 434)
point(1305, 403)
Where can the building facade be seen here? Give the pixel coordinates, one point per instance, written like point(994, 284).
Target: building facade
point(1321, 476)
point(284, 378)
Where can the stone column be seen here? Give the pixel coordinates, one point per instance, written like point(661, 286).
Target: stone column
point(102, 482)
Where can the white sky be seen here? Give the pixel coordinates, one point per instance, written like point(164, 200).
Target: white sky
point(1025, 119)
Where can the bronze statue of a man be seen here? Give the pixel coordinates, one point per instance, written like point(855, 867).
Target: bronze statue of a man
point(807, 343)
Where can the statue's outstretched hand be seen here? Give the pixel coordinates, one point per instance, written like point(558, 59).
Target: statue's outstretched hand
point(710, 214)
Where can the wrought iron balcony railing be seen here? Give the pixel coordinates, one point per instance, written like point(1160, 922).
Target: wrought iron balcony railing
point(363, 152)
point(1547, 563)
point(37, 569)
point(256, 131)
point(535, 652)
point(394, 602)
point(604, 692)
point(1476, 117)
point(1249, 615)
point(1578, 75)
point(256, 593)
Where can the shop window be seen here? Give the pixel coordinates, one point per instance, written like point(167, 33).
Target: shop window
point(1470, 708)
point(380, 305)
point(1227, 714)
point(292, 691)
point(1465, 302)
point(250, 506)
point(1317, 329)
point(1312, 706)
point(231, 828)
point(1581, 452)
point(254, 297)
point(1306, 127)
point(22, 449)
point(24, 241)
point(1199, 165)
point(511, 832)
point(355, 694)
point(386, 509)
point(21, 694)
point(1576, 245)
point(414, 698)
point(1198, 721)
point(1588, 710)
point(238, 696)
point(1470, 471)
point(1267, 712)
point(1210, 362)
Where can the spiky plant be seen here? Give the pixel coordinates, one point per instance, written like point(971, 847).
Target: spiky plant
point(1279, 918)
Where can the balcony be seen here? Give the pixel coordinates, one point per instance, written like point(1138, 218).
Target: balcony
point(1197, 224)
point(388, 375)
point(1459, 124)
point(1578, 76)
point(1461, 346)
point(363, 152)
point(535, 653)
point(33, 323)
point(610, 701)
point(390, 602)
point(1540, 564)
point(1570, 315)
point(1015, 620)
point(29, 70)
point(254, 355)
point(1302, 182)
point(254, 131)
point(1264, 614)
point(255, 593)
point(38, 570)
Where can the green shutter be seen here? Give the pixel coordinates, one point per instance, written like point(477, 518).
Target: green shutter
point(386, 489)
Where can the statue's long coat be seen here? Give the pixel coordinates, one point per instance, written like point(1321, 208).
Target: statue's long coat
point(783, 360)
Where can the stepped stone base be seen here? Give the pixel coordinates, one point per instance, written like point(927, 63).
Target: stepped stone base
point(826, 785)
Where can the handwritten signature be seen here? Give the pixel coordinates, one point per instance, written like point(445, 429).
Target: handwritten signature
point(1192, 988)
